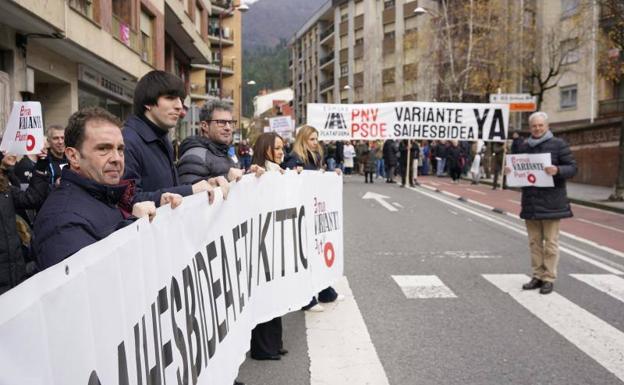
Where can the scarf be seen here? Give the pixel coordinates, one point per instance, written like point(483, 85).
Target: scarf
point(533, 142)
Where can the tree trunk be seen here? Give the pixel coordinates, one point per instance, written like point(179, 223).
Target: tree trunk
point(618, 194)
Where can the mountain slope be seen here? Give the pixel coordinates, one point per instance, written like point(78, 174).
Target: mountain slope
point(269, 21)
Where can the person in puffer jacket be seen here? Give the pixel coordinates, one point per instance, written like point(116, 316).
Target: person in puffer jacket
point(544, 207)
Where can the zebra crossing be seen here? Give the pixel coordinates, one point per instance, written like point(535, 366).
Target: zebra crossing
point(596, 338)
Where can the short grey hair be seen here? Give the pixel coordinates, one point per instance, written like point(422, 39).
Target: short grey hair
point(538, 114)
point(205, 114)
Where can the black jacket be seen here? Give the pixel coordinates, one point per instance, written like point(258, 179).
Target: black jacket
point(454, 156)
point(414, 152)
point(150, 161)
point(390, 153)
point(292, 161)
point(12, 263)
point(77, 213)
point(201, 158)
point(549, 202)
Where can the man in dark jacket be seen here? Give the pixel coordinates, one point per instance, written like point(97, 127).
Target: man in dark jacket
point(543, 207)
point(149, 153)
point(205, 156)
point(56, 159)
point(91, 201)
point(390, 159)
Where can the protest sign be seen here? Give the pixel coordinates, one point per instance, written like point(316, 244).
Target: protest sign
point(410, 120)
point(528, 170)
point(24, 131)
point(283, 125)
point(175, 300)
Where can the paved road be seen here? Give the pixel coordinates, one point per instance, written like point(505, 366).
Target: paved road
point(433, 298)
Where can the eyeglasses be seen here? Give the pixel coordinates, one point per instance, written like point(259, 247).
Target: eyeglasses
point(223, 123)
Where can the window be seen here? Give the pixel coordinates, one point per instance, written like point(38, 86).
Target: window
point(569, 7)
point(88, 8)
point(359, 41)
point(388, 4)
point(568, 97)
point(344, 69)
point(569, 51)
point(389, 35)
point(147, 37)
point(199, 16)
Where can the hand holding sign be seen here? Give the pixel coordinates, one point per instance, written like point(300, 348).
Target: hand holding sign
point(530, 170)
point(24, 131)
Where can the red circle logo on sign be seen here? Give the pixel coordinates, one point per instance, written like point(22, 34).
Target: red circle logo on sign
point(30, 143)
point(531, 178)
point(329, 253)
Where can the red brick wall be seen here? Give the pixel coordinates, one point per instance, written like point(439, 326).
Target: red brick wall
point(595, 148)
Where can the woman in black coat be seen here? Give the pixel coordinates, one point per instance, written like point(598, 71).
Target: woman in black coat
point(307, 154)
point(454, 160)
point(12, 259)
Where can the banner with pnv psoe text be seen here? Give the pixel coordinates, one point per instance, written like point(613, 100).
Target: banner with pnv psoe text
point(410, 120)
point(174, 301)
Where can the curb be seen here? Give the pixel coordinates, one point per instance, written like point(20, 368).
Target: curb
point(581, 202)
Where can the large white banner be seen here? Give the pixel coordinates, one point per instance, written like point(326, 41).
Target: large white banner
point(24, 130)
point(174, 301)
point(528, 170)
point(410, 120)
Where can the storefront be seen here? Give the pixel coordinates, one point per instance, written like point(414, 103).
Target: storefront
point(96, 89)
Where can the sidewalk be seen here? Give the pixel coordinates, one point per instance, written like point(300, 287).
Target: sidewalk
point(586, 195)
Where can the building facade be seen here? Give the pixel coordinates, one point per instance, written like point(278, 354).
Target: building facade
point(69, 54)
point(366, 51)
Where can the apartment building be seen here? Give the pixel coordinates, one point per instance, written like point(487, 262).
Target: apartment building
point(69, 54)
point(584, 107)
point(221, 78)
point(359, 51)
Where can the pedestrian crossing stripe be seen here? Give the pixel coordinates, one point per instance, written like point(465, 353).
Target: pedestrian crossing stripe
point(607, 283)
point(423, 286)
point(595, 337)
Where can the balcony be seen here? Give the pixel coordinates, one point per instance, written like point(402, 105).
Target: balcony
point(216, 93)
point(610, 108)
point(326, 84)
point(223, 35)
point(329, 31)
point(326, 59)
point(124, 33)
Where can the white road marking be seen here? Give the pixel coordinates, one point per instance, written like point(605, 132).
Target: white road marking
point(569, 235)
point(423, 286)
point(476, 191)
point(397, 204)
point(518, 230)
point(453, 212)
point(340, 348)
point(593, 336)
point(380, 199)
point(607, 283)
point(513, 201)
point(434, 183)
point(600, 225)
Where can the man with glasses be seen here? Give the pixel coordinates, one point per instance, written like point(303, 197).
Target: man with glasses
point(206, 155)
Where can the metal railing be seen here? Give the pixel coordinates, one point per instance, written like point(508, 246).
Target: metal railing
point(326, 59)
point(327, 32)
point(613, 107)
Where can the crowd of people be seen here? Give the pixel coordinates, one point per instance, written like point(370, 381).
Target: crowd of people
point(98, 175)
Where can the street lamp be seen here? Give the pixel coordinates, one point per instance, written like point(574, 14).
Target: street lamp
point(240, 106)
point(241, 8)
point(347, 87)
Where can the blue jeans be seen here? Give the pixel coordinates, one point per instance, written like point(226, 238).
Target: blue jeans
point(331, 164)
point(441, 164)
point(380, 169)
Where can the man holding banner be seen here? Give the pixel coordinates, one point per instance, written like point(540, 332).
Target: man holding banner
point(543, 207)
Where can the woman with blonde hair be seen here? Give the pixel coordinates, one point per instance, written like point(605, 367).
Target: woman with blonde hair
point(307, 152)
point(308, 155)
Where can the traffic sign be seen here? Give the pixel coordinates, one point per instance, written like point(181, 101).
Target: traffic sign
point(517, 102)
